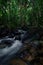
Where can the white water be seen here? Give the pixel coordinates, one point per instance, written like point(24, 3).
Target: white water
point(11, 50)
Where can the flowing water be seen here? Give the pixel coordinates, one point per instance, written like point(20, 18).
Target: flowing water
point(11, 46)
point(7, 52)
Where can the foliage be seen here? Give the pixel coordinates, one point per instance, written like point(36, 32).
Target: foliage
point(18, 13)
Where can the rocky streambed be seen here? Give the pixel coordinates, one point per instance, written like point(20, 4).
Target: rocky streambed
point(21, 44)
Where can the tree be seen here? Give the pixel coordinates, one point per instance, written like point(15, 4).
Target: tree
point(17, 13)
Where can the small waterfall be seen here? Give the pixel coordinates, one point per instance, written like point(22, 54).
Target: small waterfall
point(12, 49)
point(9, 52)
point(16, 44)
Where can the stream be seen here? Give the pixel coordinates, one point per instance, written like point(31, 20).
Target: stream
point(11, 46)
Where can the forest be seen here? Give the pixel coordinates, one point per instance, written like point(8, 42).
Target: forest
point(21, 13)
point(21, 32)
